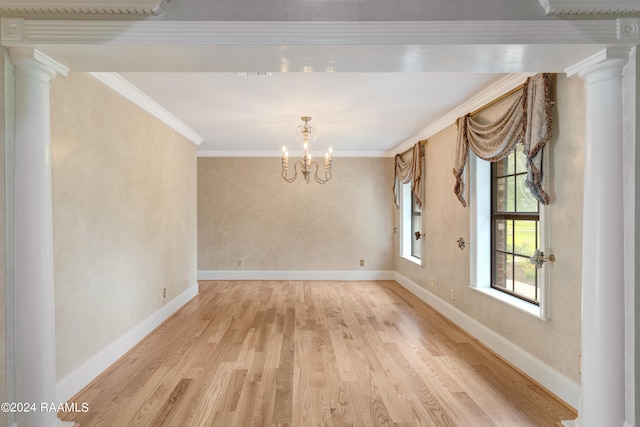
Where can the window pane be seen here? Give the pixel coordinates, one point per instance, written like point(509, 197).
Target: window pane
point(525, 237)
point(505, 188)
point(505, 166)
point(511, 189)
point(416, 244)
point(525, 278)
point(520, 159)
point(501, 194)
point(509, 272)
point(525, 202)
point(511, 166)
point(504, 235)
point(503, 270)
point(416, 227)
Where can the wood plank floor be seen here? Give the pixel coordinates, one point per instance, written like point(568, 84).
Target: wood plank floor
point(304, 354)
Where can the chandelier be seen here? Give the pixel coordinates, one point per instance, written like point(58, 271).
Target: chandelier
point(307, 133)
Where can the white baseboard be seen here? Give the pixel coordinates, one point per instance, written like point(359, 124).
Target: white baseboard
point(557, 383)
point(58, 424)
point(578, 423)
point(295, 275)
point(68, 386)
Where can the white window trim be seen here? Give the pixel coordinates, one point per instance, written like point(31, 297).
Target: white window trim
point(405, 227)
point(480, 246)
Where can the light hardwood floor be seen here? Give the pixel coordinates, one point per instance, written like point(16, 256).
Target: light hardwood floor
point(286, 353)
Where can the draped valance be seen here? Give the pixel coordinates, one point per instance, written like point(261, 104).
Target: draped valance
point(527, 121)
point(408, 169)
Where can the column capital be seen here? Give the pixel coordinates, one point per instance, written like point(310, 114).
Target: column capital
point(612, 58)
point(27, 58)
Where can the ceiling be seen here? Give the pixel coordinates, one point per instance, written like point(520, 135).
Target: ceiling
point(365, 114)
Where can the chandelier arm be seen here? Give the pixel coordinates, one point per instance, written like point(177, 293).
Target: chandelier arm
point(295, 172)
point(327, 173)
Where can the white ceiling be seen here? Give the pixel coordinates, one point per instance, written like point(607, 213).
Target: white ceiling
point(355, 113)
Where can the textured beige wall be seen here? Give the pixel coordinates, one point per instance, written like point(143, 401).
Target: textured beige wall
point(556, 341)
point(124, 216)
point(250, 219)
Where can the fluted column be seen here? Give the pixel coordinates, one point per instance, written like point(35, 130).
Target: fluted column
point(603, 383)
point(35, 365)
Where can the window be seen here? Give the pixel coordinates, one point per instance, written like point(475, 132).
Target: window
point(409, 167)
point(507, 225)
point(514, 229)
point(416, 228)
point(411, 226)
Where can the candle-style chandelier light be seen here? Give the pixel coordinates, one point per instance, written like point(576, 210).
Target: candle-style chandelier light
point(307, 133)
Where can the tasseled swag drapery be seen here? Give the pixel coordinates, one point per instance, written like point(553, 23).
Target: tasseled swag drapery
point(528, 121)
point(408, 169)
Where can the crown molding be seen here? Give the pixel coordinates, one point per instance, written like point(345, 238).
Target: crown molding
point(590, 7)
point(122, 86)
point(278, 153)
point(484, 97)
point(81, 7)
point(616, 54)
point(19, 54)
point(237, 153)
point(18, 31)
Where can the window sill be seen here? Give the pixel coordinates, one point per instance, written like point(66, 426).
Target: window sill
point(527, 307)
point(412, 259)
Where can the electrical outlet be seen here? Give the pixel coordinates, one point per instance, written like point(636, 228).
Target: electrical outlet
point(239, 263)
point(452, 295)
point(432, 283)
point(164, 292)
point(361, 263)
